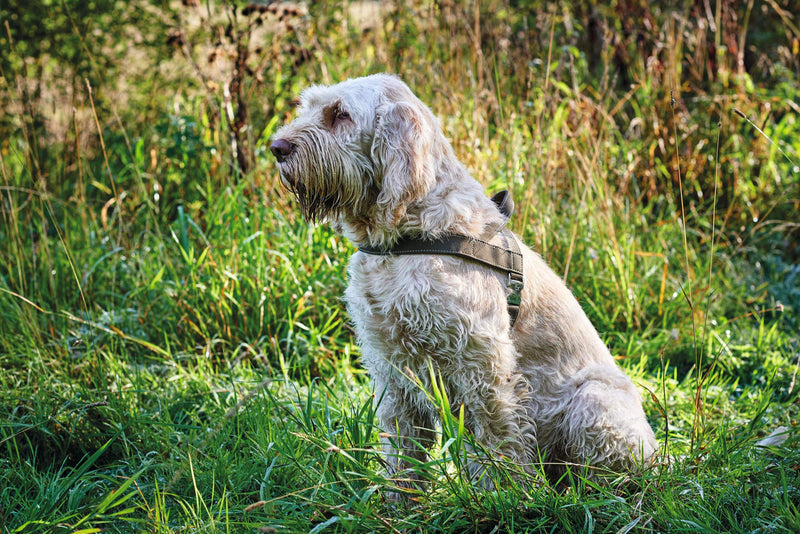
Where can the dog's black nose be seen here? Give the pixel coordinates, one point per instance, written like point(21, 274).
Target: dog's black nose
point(282, 149)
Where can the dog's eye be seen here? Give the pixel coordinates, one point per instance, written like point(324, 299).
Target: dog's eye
point(335, 115)
point(342, 115)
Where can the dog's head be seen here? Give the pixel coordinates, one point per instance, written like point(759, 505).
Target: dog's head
point(362, 149)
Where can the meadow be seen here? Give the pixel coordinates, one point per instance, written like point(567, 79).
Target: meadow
point(174, 352)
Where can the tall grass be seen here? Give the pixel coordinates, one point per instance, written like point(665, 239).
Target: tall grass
point(174, 352)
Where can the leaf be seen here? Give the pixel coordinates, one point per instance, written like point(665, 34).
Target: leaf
point(322, 526)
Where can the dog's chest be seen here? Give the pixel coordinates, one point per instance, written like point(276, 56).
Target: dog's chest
point(409, 309)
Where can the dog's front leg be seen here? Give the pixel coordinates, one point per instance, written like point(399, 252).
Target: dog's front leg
point(496, 417)
point(408, 432)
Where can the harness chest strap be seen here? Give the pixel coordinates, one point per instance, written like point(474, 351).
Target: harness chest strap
point(505, 258)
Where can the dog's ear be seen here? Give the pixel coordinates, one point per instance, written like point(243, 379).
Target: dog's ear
point(404, 153)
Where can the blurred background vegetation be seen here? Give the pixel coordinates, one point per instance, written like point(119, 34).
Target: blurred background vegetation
point(148, 253)
point(126, 121)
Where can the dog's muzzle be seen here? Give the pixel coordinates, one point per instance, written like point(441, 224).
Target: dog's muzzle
point(281, 149)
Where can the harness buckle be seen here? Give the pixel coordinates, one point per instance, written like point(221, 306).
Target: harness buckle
point(515, 286)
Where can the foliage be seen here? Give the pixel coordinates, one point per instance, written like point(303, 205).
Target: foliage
point(173, 349)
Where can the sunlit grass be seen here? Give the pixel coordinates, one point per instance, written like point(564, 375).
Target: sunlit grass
point(174, 353)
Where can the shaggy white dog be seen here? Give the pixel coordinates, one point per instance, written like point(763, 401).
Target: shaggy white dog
point(370, 158)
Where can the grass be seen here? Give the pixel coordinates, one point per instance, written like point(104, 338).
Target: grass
point(174, 352)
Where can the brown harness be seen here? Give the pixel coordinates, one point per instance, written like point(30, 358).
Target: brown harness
point(500, 251)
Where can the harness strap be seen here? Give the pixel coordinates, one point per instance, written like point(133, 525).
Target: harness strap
point(505, 257)
point(504, 203)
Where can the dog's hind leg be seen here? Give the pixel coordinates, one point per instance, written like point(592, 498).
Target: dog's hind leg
point(604, 424)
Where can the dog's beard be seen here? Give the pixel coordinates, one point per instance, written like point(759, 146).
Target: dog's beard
point(329, 180)
point(324, 198)
point(315, 205)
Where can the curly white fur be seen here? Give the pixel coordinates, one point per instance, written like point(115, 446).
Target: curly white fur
point(371, 158)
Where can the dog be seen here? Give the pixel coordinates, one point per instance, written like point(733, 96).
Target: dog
point(367, 156)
